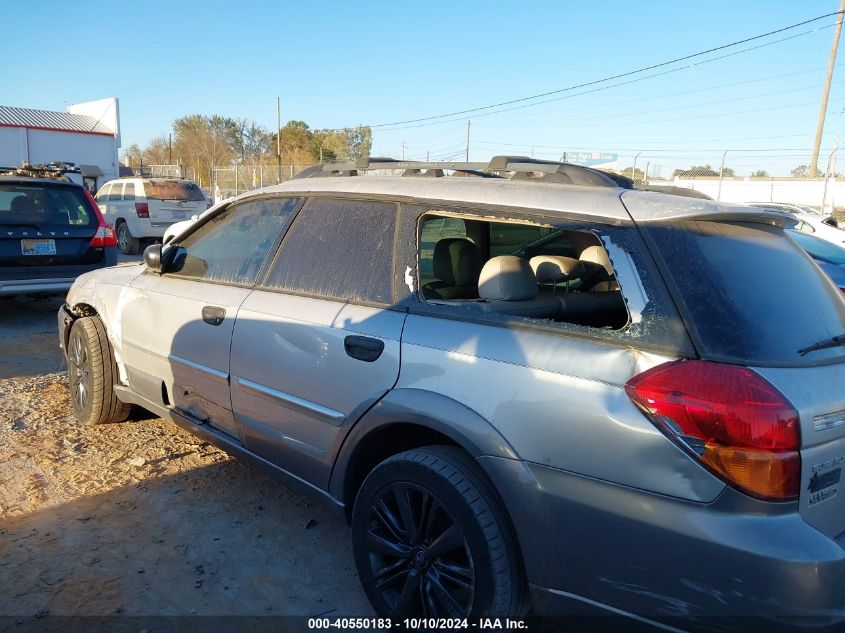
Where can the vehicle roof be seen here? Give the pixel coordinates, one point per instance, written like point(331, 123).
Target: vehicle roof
point(27, 180)
point(605, 203)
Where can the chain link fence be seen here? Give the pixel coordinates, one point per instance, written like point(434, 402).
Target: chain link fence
point(232, 180)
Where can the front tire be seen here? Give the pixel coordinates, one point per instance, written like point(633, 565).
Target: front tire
point(92, 372)
point(431, 539)
point(127, 244)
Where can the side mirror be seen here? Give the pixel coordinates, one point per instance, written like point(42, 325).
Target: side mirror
point(152, 258)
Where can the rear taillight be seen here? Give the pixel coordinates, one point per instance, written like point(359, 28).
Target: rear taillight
point(142, 209)
point(729, 417)
point(105, 232)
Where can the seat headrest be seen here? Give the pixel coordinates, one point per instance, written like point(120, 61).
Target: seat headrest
point(507, 278)
point(553, 268)
point(456, 261)
point(22, 204)
point(597, 255)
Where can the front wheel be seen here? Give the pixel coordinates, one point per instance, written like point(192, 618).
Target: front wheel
point(127, 244)
point(92, 372)
point(431, 539)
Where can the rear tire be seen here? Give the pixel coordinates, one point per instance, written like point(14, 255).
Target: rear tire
point(92, 372)
point(127, 244)
point(431, 539)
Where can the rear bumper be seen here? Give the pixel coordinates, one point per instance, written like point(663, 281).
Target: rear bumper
point(21, 280)
point(14, 287)
point(589, 545)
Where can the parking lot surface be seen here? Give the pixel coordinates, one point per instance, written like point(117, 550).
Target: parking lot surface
point(141, 518)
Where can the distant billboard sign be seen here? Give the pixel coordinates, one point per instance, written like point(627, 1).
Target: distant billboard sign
point(590, 158)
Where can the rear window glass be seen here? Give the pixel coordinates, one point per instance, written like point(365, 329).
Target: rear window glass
point(752, 295)
point(173, 190)
point(42, 206)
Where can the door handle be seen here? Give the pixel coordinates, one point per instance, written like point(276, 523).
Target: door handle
point(363, 348)
point(213, 315)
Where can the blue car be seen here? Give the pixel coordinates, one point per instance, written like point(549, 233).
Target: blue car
point(51, 231)
point(830, 257)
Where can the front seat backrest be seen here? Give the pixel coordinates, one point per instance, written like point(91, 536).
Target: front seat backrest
point(551, 269)
point(599, 270)
point(508, 286)
point(456, 263)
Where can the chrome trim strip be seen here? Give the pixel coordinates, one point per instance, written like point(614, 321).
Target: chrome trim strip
point(222, 375)
point(312, 409)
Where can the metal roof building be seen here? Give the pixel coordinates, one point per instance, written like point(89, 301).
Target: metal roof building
point(88, 134)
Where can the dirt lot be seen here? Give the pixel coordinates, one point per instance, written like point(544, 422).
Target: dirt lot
point(141, 518)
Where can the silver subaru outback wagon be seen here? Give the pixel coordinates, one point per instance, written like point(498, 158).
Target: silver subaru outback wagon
point(528, 385)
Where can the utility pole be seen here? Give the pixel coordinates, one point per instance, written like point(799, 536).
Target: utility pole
point(279, 138)
point(403, 150)
point(721, 173)
point(634, 166)
point(470, 123)
point(427, 154)
point(814, 166)
point(170, 149)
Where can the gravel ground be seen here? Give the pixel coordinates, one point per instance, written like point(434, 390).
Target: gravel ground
point(141, 518)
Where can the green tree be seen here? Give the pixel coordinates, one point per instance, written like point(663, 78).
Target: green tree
point(157, 152)
point(760, 173)
point(298, 144)
point(638, 174)
point(346, 144)
point(802, 171)
point(201, 142)
point(703, 171)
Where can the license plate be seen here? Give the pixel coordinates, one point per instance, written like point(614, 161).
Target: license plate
point(38, 247)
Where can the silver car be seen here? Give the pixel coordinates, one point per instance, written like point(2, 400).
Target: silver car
point(527, 385)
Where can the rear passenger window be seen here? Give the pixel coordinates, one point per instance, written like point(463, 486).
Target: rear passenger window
point(338, 249)
point(103, 194)
point(114, 192)
point(520, 269)
point(129, 191)
point(232, 246)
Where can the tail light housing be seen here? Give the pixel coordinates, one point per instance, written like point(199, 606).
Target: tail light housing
point(105, 232)
point(731, 419)
point(142, 209)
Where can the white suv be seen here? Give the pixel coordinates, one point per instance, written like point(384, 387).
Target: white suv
point(143, 208)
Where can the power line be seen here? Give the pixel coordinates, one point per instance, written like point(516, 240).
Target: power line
point(581, 145)
point(616, 85)
point(610, 78)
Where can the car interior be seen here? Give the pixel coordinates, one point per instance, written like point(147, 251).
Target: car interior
point(519, 269)
point(35, 207)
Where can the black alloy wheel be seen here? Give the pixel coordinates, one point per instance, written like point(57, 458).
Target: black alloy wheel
point(432, 539)
point(419, 557)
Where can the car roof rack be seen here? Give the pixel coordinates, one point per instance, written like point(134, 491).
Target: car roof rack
point(512, 167)
point(55, 170)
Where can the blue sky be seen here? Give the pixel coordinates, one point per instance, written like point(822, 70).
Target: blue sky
point(337, 64)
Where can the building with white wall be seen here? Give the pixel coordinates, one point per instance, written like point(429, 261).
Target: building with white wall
point(88, 134)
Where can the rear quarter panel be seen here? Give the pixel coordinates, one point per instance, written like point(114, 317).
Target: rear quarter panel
point(559, 401)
